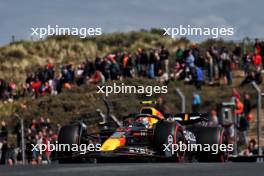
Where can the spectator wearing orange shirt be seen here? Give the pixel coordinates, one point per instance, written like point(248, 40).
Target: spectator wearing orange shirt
point(239, 107)
point(36, 87)
point(257, 60)
point(239, 110)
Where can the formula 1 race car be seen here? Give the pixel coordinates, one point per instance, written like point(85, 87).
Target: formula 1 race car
point(147, 134)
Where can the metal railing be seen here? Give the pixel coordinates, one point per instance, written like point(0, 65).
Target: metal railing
point(258, 121)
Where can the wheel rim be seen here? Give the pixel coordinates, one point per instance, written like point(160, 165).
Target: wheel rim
point(179, 140)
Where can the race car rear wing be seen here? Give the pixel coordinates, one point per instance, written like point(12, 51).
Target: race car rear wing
point(189, 118)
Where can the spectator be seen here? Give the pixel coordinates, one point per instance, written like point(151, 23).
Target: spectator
point(247, 105)
point(127, 66)
point(213, 119)
point(190, 66)
point(79, 75)
point(195, 52)
point(36, 85)
point(3, 90)
point(157, 65)
point(243, 130)
point(199, 78)
point(252, 76)
point(239, 107)
point(143, 60)
point(180, 55)
point(98, 64)
point(262, 52)
point(152, 59)
point(97, 78)
point(4, 150)
point(115, 70)
point(257, 46)
point(246, 63)
point(34, 126)
point(237, 52)
point(12, 89)
point(226, 67)
point(89, 68)
point(190, 60)
point(42, 123)
point(106, 64)
point(210, 66)
point(11, 155)
point(48, 124)
point(239, 110)
point(162, 77)
point(257, 61)
point(196, 103)
point(214, 52)
point(164, 57)
point(58, 84)
point(4, 131)
point(252, 147)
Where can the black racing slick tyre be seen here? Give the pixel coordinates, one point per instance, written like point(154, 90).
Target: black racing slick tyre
point(167, 134)
point(69, 134)
point(213, 136)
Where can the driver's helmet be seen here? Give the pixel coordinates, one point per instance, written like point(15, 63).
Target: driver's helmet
point(147, 121)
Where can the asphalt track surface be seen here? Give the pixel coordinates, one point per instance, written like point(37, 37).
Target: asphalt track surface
point(137, 169)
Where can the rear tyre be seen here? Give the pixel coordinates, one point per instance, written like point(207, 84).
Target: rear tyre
point(168, 134)
point(212, 136)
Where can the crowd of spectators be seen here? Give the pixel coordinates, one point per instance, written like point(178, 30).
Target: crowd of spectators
point(40, 131)
point(213, 67)
point(242, 113)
